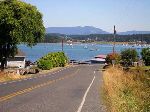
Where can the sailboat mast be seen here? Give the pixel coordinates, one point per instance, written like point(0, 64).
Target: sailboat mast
point(62, 44)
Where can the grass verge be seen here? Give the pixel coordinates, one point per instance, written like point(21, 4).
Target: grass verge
point(126, 91)
point(12, 76)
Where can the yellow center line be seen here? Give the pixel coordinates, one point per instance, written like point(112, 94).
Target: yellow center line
point(4, 98)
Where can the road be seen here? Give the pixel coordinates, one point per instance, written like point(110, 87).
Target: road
point(71, 89)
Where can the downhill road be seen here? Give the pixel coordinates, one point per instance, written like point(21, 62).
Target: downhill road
point(71, 89)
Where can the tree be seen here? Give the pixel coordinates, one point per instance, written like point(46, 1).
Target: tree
point(128, 56)
point(146, 56)
point(113, 56)
point(19, 23)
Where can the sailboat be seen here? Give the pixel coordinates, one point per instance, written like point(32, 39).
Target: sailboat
point(85, 47)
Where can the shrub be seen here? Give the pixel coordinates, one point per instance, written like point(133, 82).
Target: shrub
point(45, 64)
point(56, 59)
point(146, 56)
point(113, 56)
point(128, 56)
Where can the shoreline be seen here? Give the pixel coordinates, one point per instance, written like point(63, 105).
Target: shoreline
point(98, 42)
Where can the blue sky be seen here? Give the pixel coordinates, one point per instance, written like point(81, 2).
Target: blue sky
point(125, 14)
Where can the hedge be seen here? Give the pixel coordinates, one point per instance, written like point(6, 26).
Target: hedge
point(52, 60)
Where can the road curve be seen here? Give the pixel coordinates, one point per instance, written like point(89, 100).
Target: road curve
point(73, 89)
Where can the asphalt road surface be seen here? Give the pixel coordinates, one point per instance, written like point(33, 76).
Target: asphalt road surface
point(71, 89)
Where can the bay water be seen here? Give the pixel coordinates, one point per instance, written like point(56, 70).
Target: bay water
point(80, 52)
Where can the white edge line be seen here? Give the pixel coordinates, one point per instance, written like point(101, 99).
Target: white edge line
point(84, 97)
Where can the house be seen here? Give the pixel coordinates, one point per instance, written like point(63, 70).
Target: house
point(17, 61)
point(101, 59)
point(101, 56)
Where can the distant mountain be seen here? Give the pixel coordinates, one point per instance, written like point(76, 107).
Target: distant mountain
point(133, 32)
point(86, 30)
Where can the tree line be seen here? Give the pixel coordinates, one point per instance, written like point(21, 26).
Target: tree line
point(110, 37)
point(56, 38)
point(53, 38)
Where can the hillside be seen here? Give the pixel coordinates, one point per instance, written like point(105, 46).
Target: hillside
point(86, 30)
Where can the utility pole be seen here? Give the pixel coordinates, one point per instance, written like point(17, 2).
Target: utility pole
point(62, 44)
point(142, 40)
point(114, 39)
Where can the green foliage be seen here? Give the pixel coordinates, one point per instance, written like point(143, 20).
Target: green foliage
point(19, 23)
point(128, 56)
point(51, 60)
point(45, 64)
point(53, 38)
point(113, 56)
point(146, 56)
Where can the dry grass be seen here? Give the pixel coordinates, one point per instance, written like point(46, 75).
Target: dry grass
point(8, 76)
point(5, 76)
point(126, 91)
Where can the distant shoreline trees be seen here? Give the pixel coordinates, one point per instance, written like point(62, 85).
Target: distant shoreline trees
point(137, 38)
point(109, 37)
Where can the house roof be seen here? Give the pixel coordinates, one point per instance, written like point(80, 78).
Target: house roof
point(20, 53)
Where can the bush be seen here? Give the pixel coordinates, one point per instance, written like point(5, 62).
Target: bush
point(51, 60)
point(45, 64)
point(146, 56)
point(113, 56)
point(128, 56)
